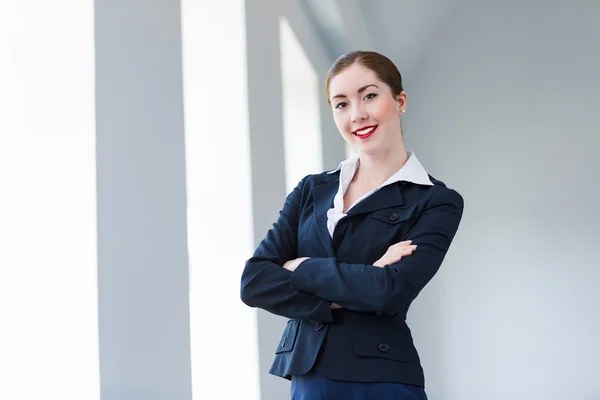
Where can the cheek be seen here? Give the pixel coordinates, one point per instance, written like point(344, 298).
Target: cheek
point(385, 110)
point(341, 122)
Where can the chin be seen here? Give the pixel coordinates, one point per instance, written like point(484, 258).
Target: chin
point(368, 149)
point(378, 147)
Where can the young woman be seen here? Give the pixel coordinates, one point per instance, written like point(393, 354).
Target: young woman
point(353, 247)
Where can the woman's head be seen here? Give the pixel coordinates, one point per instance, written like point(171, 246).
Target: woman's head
point(365, 92)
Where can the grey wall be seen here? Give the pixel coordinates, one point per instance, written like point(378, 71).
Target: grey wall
point(142, 242)
point(333, 146)
point(142, 229)
point(266, 143)
point(267, 161)
point(503, 106)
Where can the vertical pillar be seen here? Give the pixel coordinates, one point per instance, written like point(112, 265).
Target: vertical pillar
point(142, 240)
point(268, 162)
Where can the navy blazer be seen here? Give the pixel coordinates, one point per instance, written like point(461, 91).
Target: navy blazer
point(368, 340)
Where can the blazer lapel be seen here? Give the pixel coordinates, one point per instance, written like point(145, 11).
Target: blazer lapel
point(388, 196)
point(323, 196)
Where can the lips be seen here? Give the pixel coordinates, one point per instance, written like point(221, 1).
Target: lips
point(365, 132)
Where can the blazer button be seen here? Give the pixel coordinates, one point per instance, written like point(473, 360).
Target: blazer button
point(318, 326)
point(383, 347)
point(394, 217)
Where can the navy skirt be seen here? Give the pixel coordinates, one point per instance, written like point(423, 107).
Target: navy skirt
point(316, 387)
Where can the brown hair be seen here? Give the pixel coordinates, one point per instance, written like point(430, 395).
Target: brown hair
point(382, 66)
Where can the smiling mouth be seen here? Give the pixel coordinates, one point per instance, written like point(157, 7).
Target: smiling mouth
point(365, 132)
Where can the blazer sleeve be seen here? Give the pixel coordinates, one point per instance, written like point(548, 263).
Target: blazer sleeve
point(366, 288)
point(266, 284)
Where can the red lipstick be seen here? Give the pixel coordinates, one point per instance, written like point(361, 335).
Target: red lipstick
point(372, 130)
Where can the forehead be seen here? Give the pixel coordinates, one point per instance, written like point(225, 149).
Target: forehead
point(351, 79)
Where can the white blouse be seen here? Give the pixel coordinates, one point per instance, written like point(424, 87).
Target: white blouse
point(412, 171)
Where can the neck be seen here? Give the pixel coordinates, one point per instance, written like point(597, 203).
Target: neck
point(374, 169)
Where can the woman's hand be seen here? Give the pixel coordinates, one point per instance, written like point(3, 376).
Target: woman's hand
point(395, 253)
point(293, 264)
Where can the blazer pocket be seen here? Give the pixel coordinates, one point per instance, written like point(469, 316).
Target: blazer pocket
point(394, 216)
point(288, 339)
point(382, 342)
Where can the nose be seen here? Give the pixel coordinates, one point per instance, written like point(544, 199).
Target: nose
point(359, 114)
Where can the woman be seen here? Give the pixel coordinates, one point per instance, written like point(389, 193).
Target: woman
point(353, 247)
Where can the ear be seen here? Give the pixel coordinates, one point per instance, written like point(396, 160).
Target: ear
point(400, 105)
point(401, 99)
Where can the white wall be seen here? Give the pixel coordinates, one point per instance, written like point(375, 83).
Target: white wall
point(48, 285)
point(219, 199)
point(504, 108)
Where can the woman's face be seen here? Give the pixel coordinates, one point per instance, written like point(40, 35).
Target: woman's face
point(365, 111)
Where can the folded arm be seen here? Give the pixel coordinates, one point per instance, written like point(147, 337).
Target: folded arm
point(266, 284)
point(366, 288)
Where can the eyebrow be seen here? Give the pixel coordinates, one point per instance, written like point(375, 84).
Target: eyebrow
point(360, 90)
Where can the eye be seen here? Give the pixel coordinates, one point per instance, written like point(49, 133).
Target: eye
point(341, 105)
point(370, 96)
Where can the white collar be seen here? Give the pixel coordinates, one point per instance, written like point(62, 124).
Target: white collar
point(412, 171)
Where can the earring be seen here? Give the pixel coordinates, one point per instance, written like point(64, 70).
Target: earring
point(404, 110)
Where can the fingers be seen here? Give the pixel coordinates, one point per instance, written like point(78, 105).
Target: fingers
point(402, 247)
point(395, 253)
point(406, 250)
point(402, 244)
point(398, 252)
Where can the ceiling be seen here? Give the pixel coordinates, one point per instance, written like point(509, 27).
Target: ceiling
point(400, 29)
